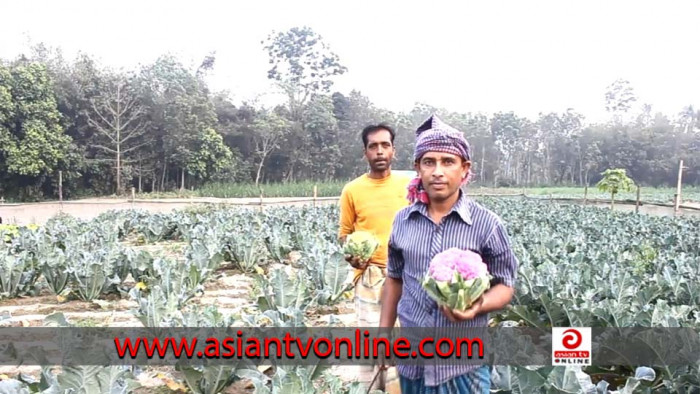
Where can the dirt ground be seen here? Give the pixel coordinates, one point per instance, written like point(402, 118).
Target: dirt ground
point(651, 209)
point(39, 213)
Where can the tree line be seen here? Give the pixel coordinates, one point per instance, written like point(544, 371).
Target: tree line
point(159, 127)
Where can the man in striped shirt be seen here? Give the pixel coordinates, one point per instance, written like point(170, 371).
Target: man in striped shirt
point(442, 217)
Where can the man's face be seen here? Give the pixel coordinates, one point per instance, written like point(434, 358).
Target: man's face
point(442, 174)
point(379, 151)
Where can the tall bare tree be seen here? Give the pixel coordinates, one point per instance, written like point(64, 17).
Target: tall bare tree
point(119, 118)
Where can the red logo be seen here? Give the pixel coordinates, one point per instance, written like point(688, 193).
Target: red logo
point(571, 346)
point(572, 339)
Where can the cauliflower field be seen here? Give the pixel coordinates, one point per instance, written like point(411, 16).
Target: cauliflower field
point(216, 266)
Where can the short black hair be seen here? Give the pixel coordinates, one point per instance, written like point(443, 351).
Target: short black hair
point(373, 128)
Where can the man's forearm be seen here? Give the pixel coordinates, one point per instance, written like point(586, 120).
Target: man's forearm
point(390, 301)
point(496, 298)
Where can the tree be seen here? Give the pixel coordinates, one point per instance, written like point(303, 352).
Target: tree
point(322, 134)
point(302, 64)
point(211, 157)
point(32, 142)
point(591, 152)
point(269, 129)
point(615, 181)
point(75, 84)
point(619, 97)
point(688, 119)
point(181, 113)
point(645, 119)
point(118, 116)
point(506, 129)
point(570, 143)
point(478, 133)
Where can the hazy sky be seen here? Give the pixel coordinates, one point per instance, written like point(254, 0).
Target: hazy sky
point(525, 56)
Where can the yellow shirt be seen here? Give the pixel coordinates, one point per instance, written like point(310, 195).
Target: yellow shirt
point(368, 204)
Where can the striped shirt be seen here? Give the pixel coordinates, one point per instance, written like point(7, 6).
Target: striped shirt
point(415, 239)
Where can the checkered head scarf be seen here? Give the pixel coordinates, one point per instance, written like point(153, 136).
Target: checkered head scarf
point(434, 135)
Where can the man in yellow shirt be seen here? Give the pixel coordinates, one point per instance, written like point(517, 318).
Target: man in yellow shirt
point(369, 203)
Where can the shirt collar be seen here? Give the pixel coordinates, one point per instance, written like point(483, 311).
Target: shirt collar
point(461, 207)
